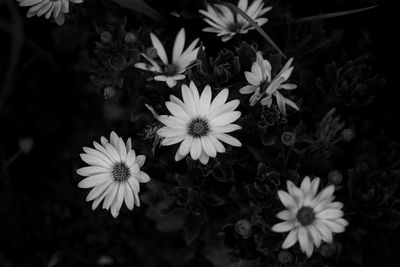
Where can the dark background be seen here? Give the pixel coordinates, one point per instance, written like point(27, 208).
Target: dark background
point(46, 95)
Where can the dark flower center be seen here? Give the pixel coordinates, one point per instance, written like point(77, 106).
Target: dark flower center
point(117, 61)
point(306, 216)
point(264, 86)
point(170, 70)
point(235, 27)
point(121, 172)
point(198, 127)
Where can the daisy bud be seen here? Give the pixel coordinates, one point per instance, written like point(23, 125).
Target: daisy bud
point(109, 92)
point(328, 250)
point(25, 145)
point(347, 134)
point(130, 38)
point(335, 177)
point(151, 52)
point(243, 228)
point(288, 138)
point(106, 37)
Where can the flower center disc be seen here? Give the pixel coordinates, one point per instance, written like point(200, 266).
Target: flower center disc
point(306, 216)
point(169, 70)
point(264, 86)
point(235, 27)
point(198, 127)
point(121, 172)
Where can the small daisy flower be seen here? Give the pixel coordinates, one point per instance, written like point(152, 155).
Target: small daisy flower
point(263, 87)
point(226, 24)
point(171, 71)
point(310, 217)
point(199, 123)
point(48, 8)
point(114, 174)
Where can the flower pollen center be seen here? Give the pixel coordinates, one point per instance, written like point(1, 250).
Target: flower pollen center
point(121, 172)
point(198, 127)
point(170, 70)
point(306, 215)
point(264, 86)
point(235, 27)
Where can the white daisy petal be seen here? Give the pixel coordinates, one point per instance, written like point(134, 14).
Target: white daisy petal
point(195, 149)
point(285, 215)
point(91, 170)
point(140, 160)
point(95, 180)
point(283, 227)
point(159, 48)
point(97, 191)
point(178, 45)
point(291, 239)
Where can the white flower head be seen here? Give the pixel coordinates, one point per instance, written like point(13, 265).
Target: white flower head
point(48, 8)
point(199, 123)
point(114, 174)
point(310, 217)
point(182, 60)
point(263, 87)
point(226, 24)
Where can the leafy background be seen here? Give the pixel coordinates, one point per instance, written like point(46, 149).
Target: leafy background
point(53, 84)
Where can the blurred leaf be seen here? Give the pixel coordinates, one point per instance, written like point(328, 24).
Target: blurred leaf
point(139, 6)
point(213, 200)
point(332, 15)
point(192, 228)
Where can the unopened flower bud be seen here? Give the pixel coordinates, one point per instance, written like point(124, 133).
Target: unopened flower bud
point(109, 92)
point(288, 138)
point(106, 37)
point(243, 227)
point(130, 38)
point(335, 177)
point(347, 134)
point(25, 144)
point(151, 52)
point(328, 250)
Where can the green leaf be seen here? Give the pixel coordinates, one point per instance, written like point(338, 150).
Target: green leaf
point(255, 25)
point(139, 6)
point(332, 15)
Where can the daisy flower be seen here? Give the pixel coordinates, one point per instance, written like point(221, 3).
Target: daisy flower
point(114, 174)
point(199, 123)
point(48, 8)
point(171, 71)
point(310, 217)
point(226, 24)
point(263, 87)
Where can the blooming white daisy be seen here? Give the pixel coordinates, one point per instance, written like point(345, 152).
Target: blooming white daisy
point(114, 174)
point(48, 8)
point(173, 71)
point(310, 217)
point(263, 87)
point(224, 22)
point(199, 123)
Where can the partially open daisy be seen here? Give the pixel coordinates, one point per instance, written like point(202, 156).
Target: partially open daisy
point(48, 8)
point(171, 71)
point(263, 87)
point(199, 123)
point(114, 174)
point(310, 217)
point(226, 24)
